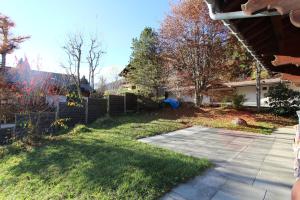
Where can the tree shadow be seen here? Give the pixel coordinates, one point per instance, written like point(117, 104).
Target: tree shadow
point(115, 121)
point(263, 128)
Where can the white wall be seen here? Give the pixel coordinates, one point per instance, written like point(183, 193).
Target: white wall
point(206, 100)
point(248, 91)
point(190, 98)
point(250, 95)
point(54, 100)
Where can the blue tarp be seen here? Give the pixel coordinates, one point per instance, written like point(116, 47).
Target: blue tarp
point(174, 103)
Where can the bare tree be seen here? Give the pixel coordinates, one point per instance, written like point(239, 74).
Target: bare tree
point(93, 58)
point(74, 50)
point(8, 44)
point(102, 85)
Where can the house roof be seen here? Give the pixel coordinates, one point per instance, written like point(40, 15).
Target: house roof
point(266, 37)
point(15, 75)
point(125, 71)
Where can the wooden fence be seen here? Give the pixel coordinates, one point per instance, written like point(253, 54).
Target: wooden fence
point(116, 105)
point(42, 120)
point(73, 114)
point(88, 112)
point(6, 135)
point(131, 103)
point(94, 108)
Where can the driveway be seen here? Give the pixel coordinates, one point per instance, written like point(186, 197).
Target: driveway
point(247, 166)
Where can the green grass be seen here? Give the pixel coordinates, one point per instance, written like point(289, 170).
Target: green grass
point(103, 161)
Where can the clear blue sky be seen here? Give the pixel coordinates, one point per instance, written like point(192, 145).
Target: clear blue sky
point(48, 22)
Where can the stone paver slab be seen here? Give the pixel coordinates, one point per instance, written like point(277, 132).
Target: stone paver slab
point(248, 166)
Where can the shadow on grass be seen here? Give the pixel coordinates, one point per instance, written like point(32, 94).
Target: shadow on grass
point(263, 129)
point(125, 168)
point(147, 117)
point(112, 122)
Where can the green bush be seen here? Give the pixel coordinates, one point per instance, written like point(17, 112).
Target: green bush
point(283, 101)
point(73, 99)
point(263, 75)
point(238, 100)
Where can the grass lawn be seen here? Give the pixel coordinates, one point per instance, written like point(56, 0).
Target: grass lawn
point(103, 161)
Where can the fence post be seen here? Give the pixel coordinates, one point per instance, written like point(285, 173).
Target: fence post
point(108, 108)
point(14, 130)
point(57, 112)
point(125, 103)
point(86, 111)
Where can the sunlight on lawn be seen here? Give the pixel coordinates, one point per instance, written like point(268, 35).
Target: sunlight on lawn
point(103, 161)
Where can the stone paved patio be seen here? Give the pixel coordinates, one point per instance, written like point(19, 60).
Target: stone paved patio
point(247, 166)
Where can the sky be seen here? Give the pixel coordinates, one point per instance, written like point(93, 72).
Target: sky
point(49, 22)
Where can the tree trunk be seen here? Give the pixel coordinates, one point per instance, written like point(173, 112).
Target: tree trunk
point(90, 75)
point(78, 75)
point(198, 97)
point(93, 80)
point(78, 85)
point(79, 90)
point(3, 61)
point(258, 86)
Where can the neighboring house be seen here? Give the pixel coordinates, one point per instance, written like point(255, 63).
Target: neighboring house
point(248, 89)
point(15, 79)
point(216, 94)
point(55, 85)
point(126, 86)
point(116, 86)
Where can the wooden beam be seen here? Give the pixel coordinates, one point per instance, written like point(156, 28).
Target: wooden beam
point(284, 60)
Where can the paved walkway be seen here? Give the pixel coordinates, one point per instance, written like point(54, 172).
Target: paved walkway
point(248, 166)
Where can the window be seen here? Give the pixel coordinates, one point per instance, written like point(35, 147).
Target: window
point(265, 88)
